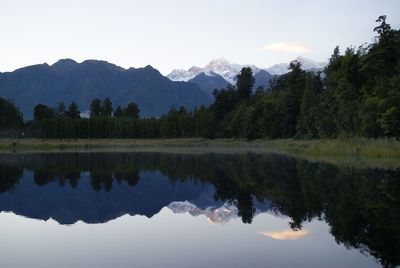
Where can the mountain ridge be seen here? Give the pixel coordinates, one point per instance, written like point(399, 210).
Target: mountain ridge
point(66, 81)
point(209, 77)
point(229, 71)
point(220, 66)
point(306, 64)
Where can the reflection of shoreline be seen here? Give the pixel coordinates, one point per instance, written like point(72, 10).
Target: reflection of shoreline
point(347, 152)
point(287, 234)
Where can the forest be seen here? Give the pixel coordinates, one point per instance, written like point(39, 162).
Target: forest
point(358, 94)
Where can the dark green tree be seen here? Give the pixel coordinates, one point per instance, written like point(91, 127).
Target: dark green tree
point(10, 116)
point(118, 112)
point(384, 30)
point(61, 110)
point(73, 111)
point(42, 112)
point(132, 110)
point(107, 108)
point(95, 108)
point(245, 83)
point(307, 120)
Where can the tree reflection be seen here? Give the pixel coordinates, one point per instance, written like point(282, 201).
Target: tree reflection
point(101, 181)
point(361, 206)
point(10, 174)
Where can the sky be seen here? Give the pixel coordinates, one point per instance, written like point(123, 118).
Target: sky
point(170, 34)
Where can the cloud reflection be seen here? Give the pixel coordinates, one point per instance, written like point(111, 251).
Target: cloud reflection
point(286, 234)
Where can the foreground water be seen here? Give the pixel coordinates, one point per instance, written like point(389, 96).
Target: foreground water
point(208, 210)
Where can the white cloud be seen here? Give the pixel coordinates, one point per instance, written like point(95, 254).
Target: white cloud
point(287, 47)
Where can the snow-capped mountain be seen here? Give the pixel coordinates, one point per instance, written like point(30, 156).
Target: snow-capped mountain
point(186, 75)
point(229, 71)
point(279, 69)
point(219, 72)
point(220, 66)
point(306, 64)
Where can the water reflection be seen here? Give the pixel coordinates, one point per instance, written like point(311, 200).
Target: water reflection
point(287, 234)
point(361, 206)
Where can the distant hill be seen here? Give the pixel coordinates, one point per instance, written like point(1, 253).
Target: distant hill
point(67, 81)
point(262, 79)
point(209, 82)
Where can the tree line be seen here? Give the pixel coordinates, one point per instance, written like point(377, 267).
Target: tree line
point(357, 94)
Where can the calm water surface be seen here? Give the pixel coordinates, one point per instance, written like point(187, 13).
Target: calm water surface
point(209, 210)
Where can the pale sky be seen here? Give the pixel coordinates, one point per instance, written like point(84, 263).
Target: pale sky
point(169, 34)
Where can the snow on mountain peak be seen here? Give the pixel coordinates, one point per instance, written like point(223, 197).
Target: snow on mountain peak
point(195, 69)
point(309, 64)
point(220, 66)
point(181, 75)
point(218, 63)
point(229, 71)
point(306, 64)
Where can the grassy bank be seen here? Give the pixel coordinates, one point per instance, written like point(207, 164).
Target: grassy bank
point(386, 148)
point(353, 151)
point(357, 152)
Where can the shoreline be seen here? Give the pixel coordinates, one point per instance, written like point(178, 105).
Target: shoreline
point(363, 152)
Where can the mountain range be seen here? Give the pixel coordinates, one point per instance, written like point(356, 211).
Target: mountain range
point(220, 72)
point(67, 80)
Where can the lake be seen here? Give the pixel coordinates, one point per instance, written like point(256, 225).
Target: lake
point(195, 210)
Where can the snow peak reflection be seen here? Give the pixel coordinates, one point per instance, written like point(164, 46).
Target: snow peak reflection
point(361, 206)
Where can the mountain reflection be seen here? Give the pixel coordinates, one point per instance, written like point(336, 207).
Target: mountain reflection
point(361, 206)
